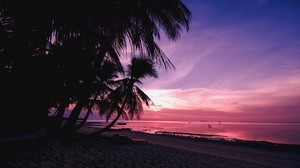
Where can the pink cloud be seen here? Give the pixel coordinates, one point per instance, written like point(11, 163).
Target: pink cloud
point(275, 99)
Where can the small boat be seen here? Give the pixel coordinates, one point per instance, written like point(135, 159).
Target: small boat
point(209, 126)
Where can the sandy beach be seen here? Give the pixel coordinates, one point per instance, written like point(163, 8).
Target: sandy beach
point(160, 151)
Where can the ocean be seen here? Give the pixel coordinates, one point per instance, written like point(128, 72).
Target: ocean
point(285, 133)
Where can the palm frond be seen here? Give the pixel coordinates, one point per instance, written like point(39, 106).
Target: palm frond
point(142, 95)
point(134, 105)
point(141, 67)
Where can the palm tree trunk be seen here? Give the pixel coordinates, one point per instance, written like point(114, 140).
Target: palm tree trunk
point(60, 115)
point(113, 122)
point(84, 119)
point(88, 113)
point(107, 127)
point(69, 127)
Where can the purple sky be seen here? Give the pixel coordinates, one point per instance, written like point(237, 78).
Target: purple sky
point(240, 61)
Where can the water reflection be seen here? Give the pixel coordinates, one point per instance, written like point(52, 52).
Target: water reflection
point(273, 132)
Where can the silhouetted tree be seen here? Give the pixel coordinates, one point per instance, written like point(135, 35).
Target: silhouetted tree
point(54, 50)
point(127, 99)
point(105, 85)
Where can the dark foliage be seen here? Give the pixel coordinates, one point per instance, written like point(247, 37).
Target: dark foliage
point(57, 53)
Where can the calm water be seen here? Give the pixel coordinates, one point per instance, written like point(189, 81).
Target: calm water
point(288, 133)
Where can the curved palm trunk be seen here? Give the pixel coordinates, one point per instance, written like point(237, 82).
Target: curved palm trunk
point(60, 115)
point(69, 128)
point(108, 126)
point(88, 113)
point(113, 122)
point(84, 119)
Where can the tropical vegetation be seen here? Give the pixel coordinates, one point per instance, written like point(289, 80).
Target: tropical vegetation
point(54, 54)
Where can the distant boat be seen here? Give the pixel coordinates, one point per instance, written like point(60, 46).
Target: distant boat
point(209, 126)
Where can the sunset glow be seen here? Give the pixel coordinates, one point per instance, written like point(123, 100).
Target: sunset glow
point(239, 58)
point(150, 83)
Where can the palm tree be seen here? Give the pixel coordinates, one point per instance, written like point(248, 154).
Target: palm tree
point(88, 32)
point(102, 88)
point(138, 22)
point(128, 98)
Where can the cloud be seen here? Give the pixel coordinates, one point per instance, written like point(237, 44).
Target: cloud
point(224, 116)
point(271, 98)
point(229, 56)
point(238, 59)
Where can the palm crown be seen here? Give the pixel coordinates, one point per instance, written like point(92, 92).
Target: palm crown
point(62, 46)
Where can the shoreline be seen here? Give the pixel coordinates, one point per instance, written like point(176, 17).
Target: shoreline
point(258, 152)
point(283, 133)
point(101, 152)
point(235, 141)
point(203, 136)
point(159, 151)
